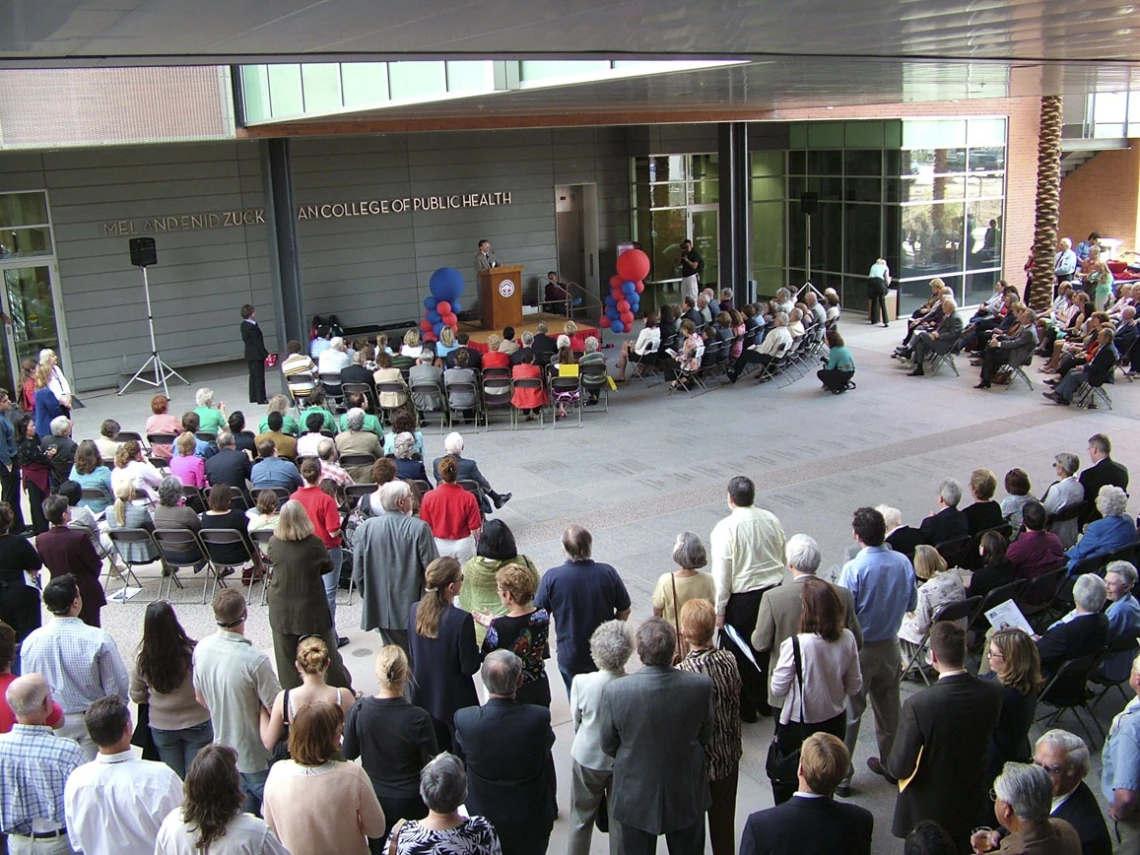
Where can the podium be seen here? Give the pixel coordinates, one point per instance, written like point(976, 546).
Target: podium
point(500, 296)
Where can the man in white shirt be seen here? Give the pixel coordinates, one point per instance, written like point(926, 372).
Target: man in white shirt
point(116, 803)
point(335, 359)
point(747, 560)
point(796, 323)
point(775, 344)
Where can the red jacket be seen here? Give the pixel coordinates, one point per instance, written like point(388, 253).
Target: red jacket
point(527, 399)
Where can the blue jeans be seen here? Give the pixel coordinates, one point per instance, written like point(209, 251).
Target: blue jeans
point(178, 748)
point(567, 678)
point(332, 583)
point(253, 785)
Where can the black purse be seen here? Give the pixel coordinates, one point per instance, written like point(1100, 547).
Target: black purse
point(142, 736)
point(783, 766)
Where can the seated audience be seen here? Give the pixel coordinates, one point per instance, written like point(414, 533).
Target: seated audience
point(188, 467)
point(1023, 797)
point(1017, 486)
point(221, 515)
point(948, 522)
point(1082, 631)
point(89, 472)
point(161, 421)
point(647, 342)
point(940, 587)
point(1014, 664)
point(386, 373)
point(279, 404)
point(529, 400)
point(495, 357)
point(1066, 758)
point(273, 471)
point(412, 347)
point(229, 467)
point(404, 422)
point(245, 440)
point(902, 538)
point(995, 570)
point(1123, 615)
point(310, 440)
point(354, 439)
point(984, 513)
point(333, 360)
point(306, 825)
point(1115, 530)
point(132, 468)
point(426, 381)
point(211, 418)
point(266, 512)
point(1062, 493)
point(469, 471)
point(1035, 551)
point(106, 443)
point(406, 466)
point(776, 342)
point(286, 445)
point(318, 403)
point(130, 513)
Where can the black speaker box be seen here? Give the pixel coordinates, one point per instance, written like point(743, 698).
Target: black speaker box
point(143, 252)
point(809, 203)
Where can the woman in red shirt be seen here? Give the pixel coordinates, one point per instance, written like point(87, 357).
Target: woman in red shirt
point(325, 516)
point(530, 400)
point(453, 513)
point(494, 358)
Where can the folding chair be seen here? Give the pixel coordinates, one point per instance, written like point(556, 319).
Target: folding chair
point(964, 610)
point(497, 396)
point(218, 541)
point(360, 389)
point(355, 491)
point(261, 538)
point(529, 383)
point(997, 596)
point(124, 435)
point(391, 388)
point(160, 463)
point(1087, 395)
point(420, 487)
point(121, 538)
point(565, 392)
point(282, 494)
point(595, 378)
point(955, 551)
point(646, 363)
point(160, 439)
point(1068, 690)
point(1014, 371)
point(432, 393)
point(1037, 597)
point(463, 389)
point(206, 436)
point(95, 494)
point(940, 360)
point(1125, 644)
point(353, 460)
point(237, 496)
point(180, 548)
point(334, 392)
point(1067, 514)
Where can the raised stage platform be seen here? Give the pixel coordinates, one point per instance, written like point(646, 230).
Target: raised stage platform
point(556, 323)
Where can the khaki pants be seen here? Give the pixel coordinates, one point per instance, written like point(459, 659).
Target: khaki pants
point(1125, 836)
point(881, 663)
point(586, 789)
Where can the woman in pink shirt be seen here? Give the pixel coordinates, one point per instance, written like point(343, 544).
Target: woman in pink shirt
point(191, 470)
point(162, 422)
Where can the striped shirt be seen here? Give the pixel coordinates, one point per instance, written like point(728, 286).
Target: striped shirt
point(81, 663)
point(724, 750)
point(34, 765)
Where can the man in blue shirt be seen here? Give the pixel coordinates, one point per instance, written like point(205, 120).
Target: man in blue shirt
point(1120, 773)
point(273, 471)
point(882, 583)
point(9, 469)
point(1065, 262)
point(580, 595)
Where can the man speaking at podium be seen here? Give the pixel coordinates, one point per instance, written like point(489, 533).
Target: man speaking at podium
point(484, 258)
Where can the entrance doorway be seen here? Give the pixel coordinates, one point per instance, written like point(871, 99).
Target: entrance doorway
point(576, 234)
point(705, 237)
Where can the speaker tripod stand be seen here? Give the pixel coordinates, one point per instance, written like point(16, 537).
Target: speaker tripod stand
point(162, 371)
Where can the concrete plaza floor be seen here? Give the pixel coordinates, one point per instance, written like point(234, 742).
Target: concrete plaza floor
point(656, 465)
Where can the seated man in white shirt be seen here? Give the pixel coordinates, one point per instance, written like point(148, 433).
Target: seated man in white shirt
point(116, 803)
point(774, 345)
point(648, 341)
point(335, 359)
point(796, 323)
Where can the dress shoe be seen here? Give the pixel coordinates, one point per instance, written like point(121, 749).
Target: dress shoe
point(983, 385)
point(503, 499)
point(876, 766)
point(1055, 398)
point(918, 372)
point(341, 641)
point(843, 791)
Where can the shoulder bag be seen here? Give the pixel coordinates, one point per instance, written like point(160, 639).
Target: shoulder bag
point(679, 654)
point(783, 765)
point(394, 837)
point(281, 749)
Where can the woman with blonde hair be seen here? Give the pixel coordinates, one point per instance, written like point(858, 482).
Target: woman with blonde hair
point(298, 605)
point(496, 357)
point(127, 513)
point(46, 404)
point(279, 404)
point(312, 662)
point(412, 347)
point(393, 739)
point(317, 804)
point(940, 587)
point(446, 344)
point(723, 751)
point(130, 466)
point(444, 653)
point(523, 630)
point(1015, 663)
point(56, 381)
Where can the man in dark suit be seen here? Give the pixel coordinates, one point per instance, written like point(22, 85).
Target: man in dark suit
point(1104, 470)
point(544, 345)
point(474, 358)
point(1015, 349)
point(692, 313)
point(655, 724)
point(1065, 757)
point(255, 353)
point(229, 466)
point(941, 340)
point(469, 471)
point(902, 538)
point(526, 350)
point(510, 771)
point(1082, 631)
point(948, 523)
point(1097, 371)
point(357, 373)
point(812, 822)
point(70, 550)
point(942, 741)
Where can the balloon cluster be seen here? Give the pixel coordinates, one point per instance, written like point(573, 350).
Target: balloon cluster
point(442, 307)
point(626, 286)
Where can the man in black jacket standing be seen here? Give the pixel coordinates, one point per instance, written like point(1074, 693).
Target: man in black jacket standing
point(255, 354)
point(1104, 471)
point(510, 771)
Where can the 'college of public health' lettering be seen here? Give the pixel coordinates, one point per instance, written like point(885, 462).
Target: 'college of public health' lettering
point(324, 211)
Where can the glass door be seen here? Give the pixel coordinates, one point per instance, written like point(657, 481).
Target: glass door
point(703, 231)
point(27, 301)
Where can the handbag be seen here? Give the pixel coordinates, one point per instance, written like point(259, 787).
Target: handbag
point(281, 749)
point(680, 653)
point(781, 765)
point(394, 836)
point(142, 737)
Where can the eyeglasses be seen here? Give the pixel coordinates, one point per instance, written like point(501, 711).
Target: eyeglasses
point(992, 654)
point(993, 795)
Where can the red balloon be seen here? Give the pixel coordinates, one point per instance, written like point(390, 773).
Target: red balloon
point(443, 307)
point(425, 325)
point(430, 336)
point(615, 281)
point(450, 319)
point(627, 319)
point(640, 287)
point(605, 322)
point(623, 306)
point(633, 264)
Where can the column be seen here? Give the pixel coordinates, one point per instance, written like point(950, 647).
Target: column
point(281, 235)
point(735, 259)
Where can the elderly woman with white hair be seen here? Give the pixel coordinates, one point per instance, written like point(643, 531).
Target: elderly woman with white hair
point(1123, 615)
point(940, 586)
point(1115, 530)
point(1023, 799)
point(592, 383)
point(469, 471)
point(687, 582)
point(408, 464)
point(211, 417)
point(1063, 493)
point(592, 770)
point(443, 788)
point(1081, 632)
point(333, 360)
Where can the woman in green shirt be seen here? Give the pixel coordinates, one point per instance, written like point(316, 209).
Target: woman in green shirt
point(495, 551)
point(840, 368)
point(211, 419)
point(279, 404)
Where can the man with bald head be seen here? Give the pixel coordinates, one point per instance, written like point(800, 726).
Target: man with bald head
point(34, 766)
point(331, 470)
point(580, 594)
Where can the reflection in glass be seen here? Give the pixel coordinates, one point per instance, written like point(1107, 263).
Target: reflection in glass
point(825, 163)
point(667, 195)
point(705, 192)
point(768, 234)
point(668, 230)
point(19, 243)
point(863, 162)
point(991, 158)
point(23, 209)
point(32, 311)
point(916, 292)
point(932, 237)
point(705, 241)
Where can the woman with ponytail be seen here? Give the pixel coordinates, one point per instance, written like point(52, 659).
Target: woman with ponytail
point(443, 648)
point(393, 739)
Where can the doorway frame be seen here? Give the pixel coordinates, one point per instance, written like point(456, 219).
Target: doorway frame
point(591, 265)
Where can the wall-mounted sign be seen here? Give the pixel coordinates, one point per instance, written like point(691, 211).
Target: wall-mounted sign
point(326, 211)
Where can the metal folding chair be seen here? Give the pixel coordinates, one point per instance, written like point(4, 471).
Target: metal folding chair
point(261, 538)
point(497, 397)
point(595, 378)
point(529, 383)
point(964, 610)
point(180, 548)
point(121, 538)
point(565, 392)
point(217, 541)
point(1068, 690)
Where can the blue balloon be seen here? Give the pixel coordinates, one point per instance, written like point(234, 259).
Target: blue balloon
point(430, 303)
point(629, 287)
point(612, 313)
point(433, 317)
point(438, 327)
point(446, 284)
point(617, 326)
point(610, 301)
point(456, 308)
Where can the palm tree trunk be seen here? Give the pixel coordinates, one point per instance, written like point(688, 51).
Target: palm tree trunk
point(1048, 207)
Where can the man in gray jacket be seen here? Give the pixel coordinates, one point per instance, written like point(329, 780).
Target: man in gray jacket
point(654, 723)
point(1015, 349)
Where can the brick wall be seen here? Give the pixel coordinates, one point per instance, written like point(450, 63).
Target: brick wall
point(1102, 196)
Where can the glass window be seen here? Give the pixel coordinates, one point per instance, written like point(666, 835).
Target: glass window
point(863, 135)
point(862, 238)
point(825, 163)
point(1111, 107)
point(797, 186)
point(825, 135)
point(990, 158)
point(933, 133)
point(985, 132)
point(286, 96)
point(932, 236)
point(947, 160)
point(321, 84)
point(255, 92)
point(863, 162)
point(766, 163)
point(470, 76)
point(827, 237)
point(25, 242)
point(410, 80)
point(767, 188)
point(705, 166)
point(33, 311)
point(364, 83)
point(916, 292)
point(23, 209)
point(705, 192)
point(769, 281)
point(893, 162)
point(545, 69)
point(983, 234)
point(768, 234)
point(979, 286)
point(668, 230)
point(797, 162)
point(862, 190)
point(829, 189)
point(667, 195)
